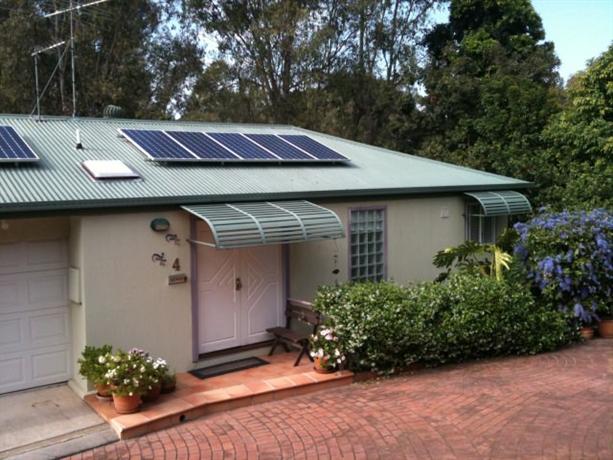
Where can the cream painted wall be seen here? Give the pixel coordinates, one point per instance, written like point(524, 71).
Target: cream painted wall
point(127, 301)
point(33, 229)
point(415, 232)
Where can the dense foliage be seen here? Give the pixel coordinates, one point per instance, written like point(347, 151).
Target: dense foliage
point(568, 258)
point(580, 141)
point(491, 84)
point(383, 327)
point(90, 365)
point(487, 259)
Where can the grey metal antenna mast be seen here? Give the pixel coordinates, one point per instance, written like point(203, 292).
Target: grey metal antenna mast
point(71, 9)
point(35, 55)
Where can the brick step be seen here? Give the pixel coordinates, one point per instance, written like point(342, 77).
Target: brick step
point(184, 406)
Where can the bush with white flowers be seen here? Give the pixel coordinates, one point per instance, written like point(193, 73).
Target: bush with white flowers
point(325, 346)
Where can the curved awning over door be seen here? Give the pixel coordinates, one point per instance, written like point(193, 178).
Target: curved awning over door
point(236, 225)
point(502, 203)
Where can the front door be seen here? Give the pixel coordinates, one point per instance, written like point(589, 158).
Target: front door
point(240, 294)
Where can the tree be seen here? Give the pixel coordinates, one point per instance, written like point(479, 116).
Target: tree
point(580, 141)
point(127, 55)
point(340, 66)
point(491, 84)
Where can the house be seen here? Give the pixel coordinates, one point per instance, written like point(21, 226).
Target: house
point(107, 237)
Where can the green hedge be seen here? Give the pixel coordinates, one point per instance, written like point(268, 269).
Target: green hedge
point(384, 327)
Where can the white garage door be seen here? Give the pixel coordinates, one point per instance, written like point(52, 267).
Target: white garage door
point(34, 316)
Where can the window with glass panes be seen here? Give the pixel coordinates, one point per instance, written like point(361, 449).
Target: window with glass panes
point(367, 244)
point(479, 228)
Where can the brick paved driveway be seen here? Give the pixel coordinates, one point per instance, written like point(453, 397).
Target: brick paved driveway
point(557, 405)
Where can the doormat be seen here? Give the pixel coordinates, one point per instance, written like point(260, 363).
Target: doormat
point(226, 368)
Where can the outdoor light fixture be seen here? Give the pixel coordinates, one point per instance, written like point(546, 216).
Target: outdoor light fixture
point(160, 224)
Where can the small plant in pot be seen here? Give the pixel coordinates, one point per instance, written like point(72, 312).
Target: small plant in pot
point(156, 370)
point(92, 366)
point(129, 378)
point(169, 382)
point(605, 325)
point(325, 350)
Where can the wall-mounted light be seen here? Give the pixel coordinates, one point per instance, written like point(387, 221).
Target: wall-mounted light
point(159, 224)
point(170, 237)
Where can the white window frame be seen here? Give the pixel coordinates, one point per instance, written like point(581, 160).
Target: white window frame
point(355, 250)
point(475, 210)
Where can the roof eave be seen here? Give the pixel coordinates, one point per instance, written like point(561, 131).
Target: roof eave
point(80, 205)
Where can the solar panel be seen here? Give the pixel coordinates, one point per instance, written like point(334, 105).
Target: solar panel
point(157, 145)
point(313, 147)
point(242, 146)
point(279, 147)
point(202, 146)
point(13, 148)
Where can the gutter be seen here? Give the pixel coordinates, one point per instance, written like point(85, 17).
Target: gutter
point(24, 208)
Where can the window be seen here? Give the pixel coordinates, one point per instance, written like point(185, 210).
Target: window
point(367, 251)
point(479, 228)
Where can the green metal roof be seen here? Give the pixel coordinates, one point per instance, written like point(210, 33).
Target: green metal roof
point(236, 225)
point(58, 181)
point(502, 203)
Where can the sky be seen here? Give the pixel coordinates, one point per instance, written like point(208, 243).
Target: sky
point(579, 29)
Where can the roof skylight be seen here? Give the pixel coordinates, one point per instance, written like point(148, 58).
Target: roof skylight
point(109, 169)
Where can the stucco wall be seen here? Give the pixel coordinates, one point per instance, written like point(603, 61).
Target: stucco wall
point(127, 301)
point(415, 232)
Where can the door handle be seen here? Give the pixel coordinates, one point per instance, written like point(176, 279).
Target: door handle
point(238, 285)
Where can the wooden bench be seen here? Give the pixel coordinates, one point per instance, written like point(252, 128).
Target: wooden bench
point(303, 312)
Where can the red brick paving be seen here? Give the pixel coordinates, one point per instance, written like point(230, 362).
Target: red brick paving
point(557, 405)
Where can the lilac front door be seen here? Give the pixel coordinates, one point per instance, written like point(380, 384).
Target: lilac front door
point(240, 294)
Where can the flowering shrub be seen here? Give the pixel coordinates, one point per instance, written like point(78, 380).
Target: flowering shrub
point(324, 345)
point(383, 327)
point(90, 366)
point(568, 258)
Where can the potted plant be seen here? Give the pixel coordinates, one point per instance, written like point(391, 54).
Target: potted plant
point(129, 379)
point(587, 331)
point(156, 369)
point(325, 350)
point(605, 326)
point(92, 366)
point(169, 382)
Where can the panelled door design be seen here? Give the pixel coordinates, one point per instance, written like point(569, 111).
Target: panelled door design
point(34, 316)
point(240, 294)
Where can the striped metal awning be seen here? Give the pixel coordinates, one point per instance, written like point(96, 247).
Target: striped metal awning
point(236, 225)
point(502, 203)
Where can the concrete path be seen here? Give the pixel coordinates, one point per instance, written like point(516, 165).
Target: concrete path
point(33, 419)
point(556, 405)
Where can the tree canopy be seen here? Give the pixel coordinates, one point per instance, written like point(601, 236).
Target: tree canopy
point(480, 89)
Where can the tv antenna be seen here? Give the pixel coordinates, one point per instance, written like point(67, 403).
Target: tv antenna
point(35, 55)
point(70, 10)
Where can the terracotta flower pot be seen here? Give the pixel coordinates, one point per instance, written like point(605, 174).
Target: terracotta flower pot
point(605, 328)
point(126, 404)
point(587, 332)
point(153, 394)
point(320, 366)
point(103, 391)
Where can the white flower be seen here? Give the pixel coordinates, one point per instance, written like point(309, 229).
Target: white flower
point(329, 337)
point(142, 369)
point(130, 394)
point(337, 353)
point(101, 359)
point(135, 381)
point(126, 381)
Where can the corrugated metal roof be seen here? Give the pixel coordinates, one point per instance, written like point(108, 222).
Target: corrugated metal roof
point(57, 181)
